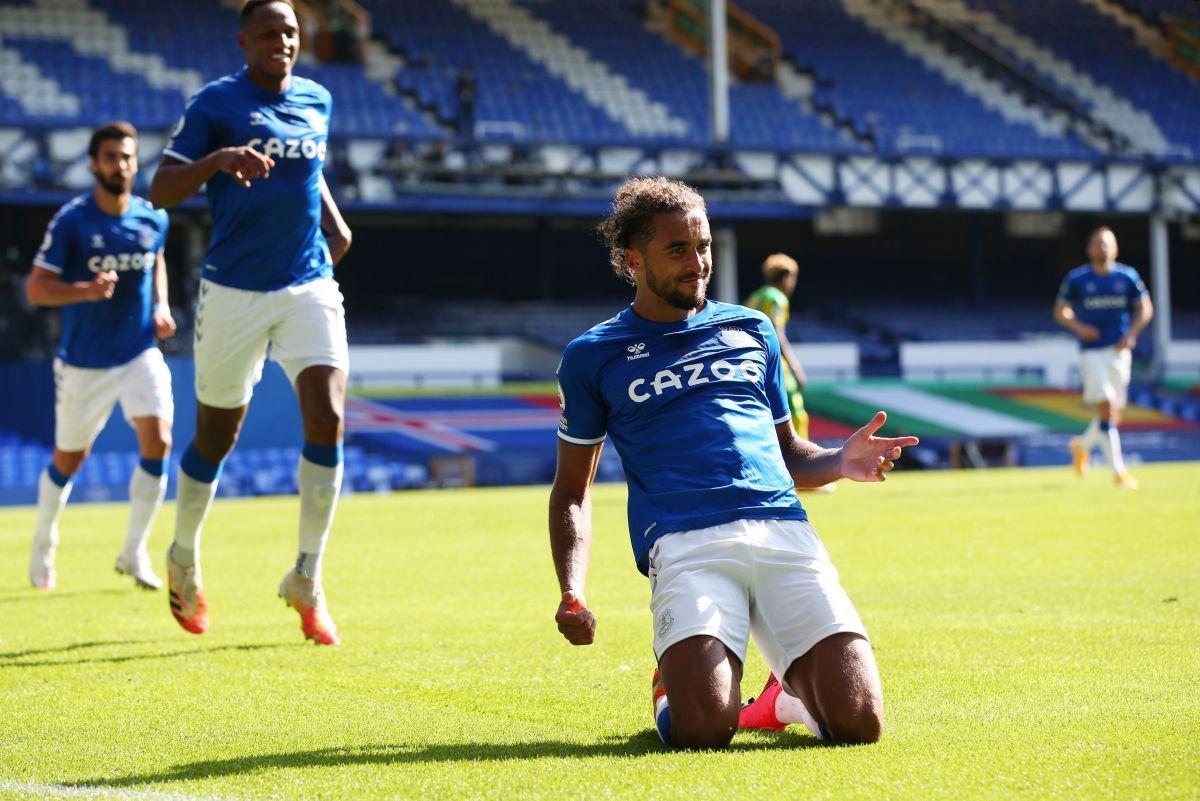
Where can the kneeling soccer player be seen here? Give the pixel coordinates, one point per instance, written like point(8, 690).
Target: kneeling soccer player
point(692, 394)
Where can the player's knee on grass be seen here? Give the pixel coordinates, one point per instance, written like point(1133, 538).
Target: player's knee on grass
point(702, 678)
point(854, 719)
point(703, 725)
point(839, 684)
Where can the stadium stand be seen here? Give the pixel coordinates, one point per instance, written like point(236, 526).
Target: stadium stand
point(568, 95)
point(516, 95)
point(902, 103)
point(1107, 68)
point(760, 116)
point(600, 74)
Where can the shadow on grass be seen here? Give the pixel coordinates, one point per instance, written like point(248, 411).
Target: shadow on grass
point(14, 661)
point(75, 646)
point(643, 743)
point(30, 594)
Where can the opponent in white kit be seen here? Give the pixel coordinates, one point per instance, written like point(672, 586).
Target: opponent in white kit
point(692, 394)
point(1106, 305)
point(257, 138)
point(102, 262)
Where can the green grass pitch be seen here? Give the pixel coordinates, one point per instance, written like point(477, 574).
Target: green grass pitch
point(1038, 637)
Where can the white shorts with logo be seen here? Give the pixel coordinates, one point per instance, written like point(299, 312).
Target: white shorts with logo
point(1105, 373)
point(84, 397)
point(769, 578)
point(304, 326)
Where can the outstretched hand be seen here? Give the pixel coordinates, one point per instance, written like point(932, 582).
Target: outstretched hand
point(574, 620)
point(866, 457)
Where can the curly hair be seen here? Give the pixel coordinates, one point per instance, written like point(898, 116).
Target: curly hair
point(636, 203)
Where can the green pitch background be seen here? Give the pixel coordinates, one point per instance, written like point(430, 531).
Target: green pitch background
point(1038, 637)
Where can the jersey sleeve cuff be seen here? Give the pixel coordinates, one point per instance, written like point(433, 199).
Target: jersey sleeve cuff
point(175, 154)
point(786, 418)
point(45, 265)
point(580, 441)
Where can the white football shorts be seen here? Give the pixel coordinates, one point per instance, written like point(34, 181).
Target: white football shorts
point(1105, 373)
point(304, 326)
point(84, 397)
point(769, 578)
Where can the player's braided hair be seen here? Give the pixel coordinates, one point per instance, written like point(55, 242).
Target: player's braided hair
point(635, 205)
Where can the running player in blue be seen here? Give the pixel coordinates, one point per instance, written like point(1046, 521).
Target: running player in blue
point(1106, 305)
point(257, 138)
point(692, 394)
point(102, 263)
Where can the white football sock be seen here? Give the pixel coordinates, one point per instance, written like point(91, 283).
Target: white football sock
point(319, 487)
point(1092, 436)
point(1112, 450)
point(145, 499)
point(191, 507)
point(51, 500)
point(790, 709)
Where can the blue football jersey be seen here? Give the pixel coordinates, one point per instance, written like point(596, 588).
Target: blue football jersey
point(267, 236)
point(691, 408)
point(1104, 301)
point(83, 241)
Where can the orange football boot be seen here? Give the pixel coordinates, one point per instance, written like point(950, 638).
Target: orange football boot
point(186, 596)
point(308, 598)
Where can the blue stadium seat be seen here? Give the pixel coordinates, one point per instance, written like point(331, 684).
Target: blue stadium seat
point(891, 95)
point(1107, 51)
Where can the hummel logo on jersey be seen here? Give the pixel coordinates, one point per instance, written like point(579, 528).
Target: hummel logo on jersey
point(637, 351)
point(97, 241)
point(257, 118)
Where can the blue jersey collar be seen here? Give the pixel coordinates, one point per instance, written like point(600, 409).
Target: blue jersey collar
point(699, 318)
point(243, 75)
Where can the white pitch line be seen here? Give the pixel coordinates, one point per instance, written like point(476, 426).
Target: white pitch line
point(39, 790)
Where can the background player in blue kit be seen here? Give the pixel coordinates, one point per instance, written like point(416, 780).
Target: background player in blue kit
point(691, 392)
point(1106, 305)
point(257, 138)
point(102, 263)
